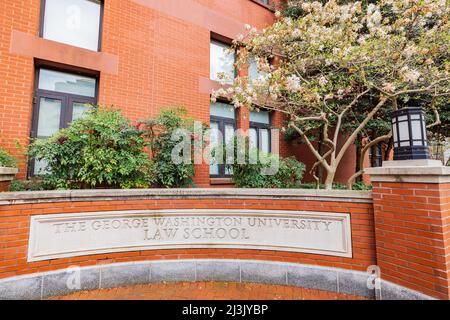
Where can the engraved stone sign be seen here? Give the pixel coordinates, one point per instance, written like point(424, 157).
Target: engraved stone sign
point(69, 235)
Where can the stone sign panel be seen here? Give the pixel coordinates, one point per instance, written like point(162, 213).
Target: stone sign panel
point(68, 235)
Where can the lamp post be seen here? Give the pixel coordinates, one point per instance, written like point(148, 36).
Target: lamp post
point(410, 134)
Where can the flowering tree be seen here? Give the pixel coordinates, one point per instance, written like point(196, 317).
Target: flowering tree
point(335, 60)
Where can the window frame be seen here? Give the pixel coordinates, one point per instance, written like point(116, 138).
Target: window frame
point(258, 126)
point(67, 100)
point(222, 121)
point(226, 42)
point(100, 29)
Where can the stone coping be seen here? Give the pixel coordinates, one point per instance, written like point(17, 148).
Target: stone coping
point(7, 173)
point(8, 170)
point(10, 198)
point(61, 282)
point(410, 171)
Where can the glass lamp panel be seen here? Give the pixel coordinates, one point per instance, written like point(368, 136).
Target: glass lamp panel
point(49, 117)
point(394, 132)
point(65, 82)
point(74, 22)
point(221, 61)
point(425, 135)
point(416, 129)
point(403, 132)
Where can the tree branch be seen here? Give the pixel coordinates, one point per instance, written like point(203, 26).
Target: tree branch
point(355, 133)
point(352, 179)
point(320, 158)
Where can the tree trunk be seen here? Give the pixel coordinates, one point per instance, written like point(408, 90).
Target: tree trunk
point(330, 179)
point(389, 147)
point(358, 158)
point(320, 149)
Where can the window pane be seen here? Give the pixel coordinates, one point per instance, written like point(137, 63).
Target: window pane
point(260, 117)
point(67, 83)
point(253, 138)
point(254, 72)
point(214, 142)
point(40, 167)
point(221, 61)
point(79, 109)
point(74, 22)
point(49, 117)
point(229, 133)
point(265, 140)
point(223, 110)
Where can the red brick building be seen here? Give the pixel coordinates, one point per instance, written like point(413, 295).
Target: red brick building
point(137, 55)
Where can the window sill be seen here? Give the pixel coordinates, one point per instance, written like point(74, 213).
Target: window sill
point(221, 181)
point(25, 44)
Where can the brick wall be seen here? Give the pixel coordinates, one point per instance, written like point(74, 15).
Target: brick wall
point(15, 221)
point(16, 75)
point(162, 56)
point(4, 186)
point(413, 235)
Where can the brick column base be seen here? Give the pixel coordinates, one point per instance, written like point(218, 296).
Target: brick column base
point(4, 186)
point(412, 225)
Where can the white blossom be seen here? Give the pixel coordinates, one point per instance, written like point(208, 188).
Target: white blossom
point(293, 83)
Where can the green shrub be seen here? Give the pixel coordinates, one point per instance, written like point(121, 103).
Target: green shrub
point(100, 150)
point(6, 160)
point(35, 184)
point(247, 175)
point(361, 186)
point(337, 186)
point(164, 172)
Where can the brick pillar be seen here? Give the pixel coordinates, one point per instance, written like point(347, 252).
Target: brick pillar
point(6, 176)
point(412, 225)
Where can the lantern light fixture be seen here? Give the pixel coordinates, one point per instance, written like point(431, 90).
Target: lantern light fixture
point(409, 134)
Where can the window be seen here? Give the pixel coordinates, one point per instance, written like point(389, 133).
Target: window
point(223, 125)
point(74, 22)
point(221, 61)
point(253, 70)
point(60, 98)
point(259, 134)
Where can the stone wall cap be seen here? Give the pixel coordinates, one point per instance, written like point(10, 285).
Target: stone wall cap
point(8, 170)
point(193, 193)
point(410, 170)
